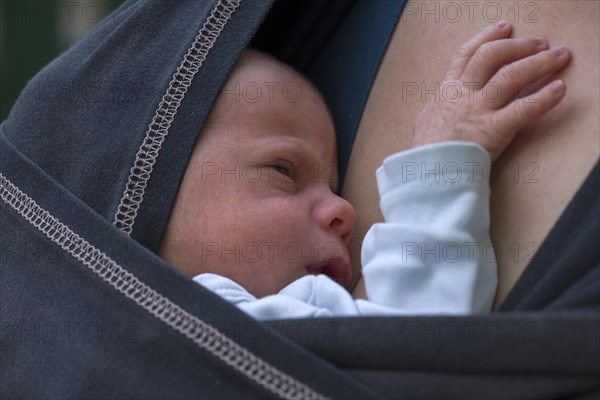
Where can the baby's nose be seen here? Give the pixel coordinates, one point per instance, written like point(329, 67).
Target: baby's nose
point(337, 214)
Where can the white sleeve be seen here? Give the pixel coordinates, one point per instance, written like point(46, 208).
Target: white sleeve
point(432, 255)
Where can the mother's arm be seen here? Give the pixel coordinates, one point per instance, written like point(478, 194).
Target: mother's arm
point(533, 181)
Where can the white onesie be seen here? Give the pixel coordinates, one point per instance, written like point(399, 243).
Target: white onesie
point(432, 255)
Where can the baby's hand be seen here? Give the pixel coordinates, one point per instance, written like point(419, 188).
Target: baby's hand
point(476, 101)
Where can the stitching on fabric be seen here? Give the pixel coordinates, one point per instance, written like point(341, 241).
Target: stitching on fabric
point(158, 129)
point(203, 334)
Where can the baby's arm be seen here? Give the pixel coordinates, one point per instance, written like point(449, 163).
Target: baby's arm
point(433, 253)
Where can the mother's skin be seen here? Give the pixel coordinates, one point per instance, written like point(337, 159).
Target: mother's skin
point(536, 177)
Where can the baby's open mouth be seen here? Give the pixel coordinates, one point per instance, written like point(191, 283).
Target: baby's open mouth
point(338, 269)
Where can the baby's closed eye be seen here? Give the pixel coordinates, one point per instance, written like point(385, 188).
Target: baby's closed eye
point(286, 168)
point(282, 170)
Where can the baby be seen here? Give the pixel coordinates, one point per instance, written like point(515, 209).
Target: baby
point(257, 219)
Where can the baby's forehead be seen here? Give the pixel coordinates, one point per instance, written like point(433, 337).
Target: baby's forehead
point(260, 84)
point(259, 78)
point(264, 98)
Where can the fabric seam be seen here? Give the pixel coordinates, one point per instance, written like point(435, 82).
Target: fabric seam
point(146, 157)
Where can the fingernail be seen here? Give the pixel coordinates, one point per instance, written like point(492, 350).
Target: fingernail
point(558, 51)
point(557, 87)
point(501, 24)
point(539, 41)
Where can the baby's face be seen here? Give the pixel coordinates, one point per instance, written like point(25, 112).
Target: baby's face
point(257, 201)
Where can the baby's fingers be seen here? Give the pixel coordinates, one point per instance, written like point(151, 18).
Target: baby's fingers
point(509, 81)
point(459, 61)
point(492, 56)
point(518, 114)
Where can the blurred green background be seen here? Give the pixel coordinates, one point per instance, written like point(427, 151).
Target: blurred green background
point(34, 32)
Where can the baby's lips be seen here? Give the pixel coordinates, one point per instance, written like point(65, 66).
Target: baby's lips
point(336, 268)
